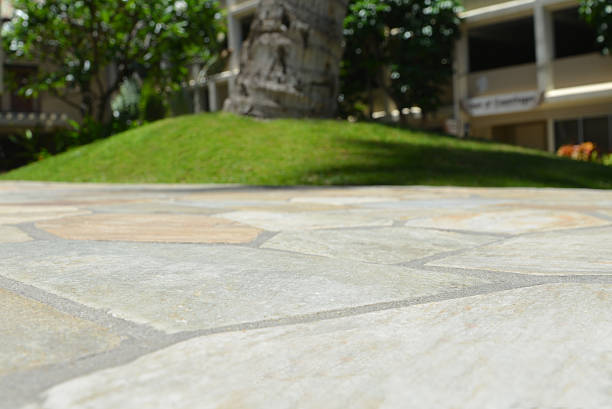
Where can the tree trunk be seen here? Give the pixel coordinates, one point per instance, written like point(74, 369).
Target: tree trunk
point(290, 62)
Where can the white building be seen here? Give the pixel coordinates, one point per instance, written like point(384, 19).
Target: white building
point(528, 73)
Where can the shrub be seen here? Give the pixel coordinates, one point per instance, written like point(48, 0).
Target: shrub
point(586, 151)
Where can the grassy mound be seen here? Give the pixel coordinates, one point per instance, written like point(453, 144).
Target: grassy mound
point(222, 148)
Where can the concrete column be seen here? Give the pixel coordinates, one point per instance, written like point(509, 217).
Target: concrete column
point(610, 131)
point(460, 80)
point(234, 37)
point(197, 101)
point(213, 101)
point(1, 68)
point(544, 45)
point(550, 134)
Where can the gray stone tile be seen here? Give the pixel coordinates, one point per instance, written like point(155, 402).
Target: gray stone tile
point(279, 221)
point(539, 347)
point(445, 203)
point(33, 334)
point(552, 253)
point(186, 287)
point(151, 208)
point(342, 200)
point(512, 221)
point(387, 245)
point(24, 214)
point(10, 234)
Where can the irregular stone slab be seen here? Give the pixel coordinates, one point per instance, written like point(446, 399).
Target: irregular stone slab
point(389, 245)
point(151, 208)
point(342, 200)
point(509, 221)
point(16, 210)
point(186, 287)
point(34, 334)
point(151, 228)
point(229, 204)
point(278, 221)
point(25, 213)
point(552, 253)
point(536, 347)
point(10, 234)
point(452, 203)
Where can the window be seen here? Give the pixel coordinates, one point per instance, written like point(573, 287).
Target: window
point(17, 77)
point(245, 25)
point(595, 129)
point(502, 44)
point(566, 133)
point(572, 35)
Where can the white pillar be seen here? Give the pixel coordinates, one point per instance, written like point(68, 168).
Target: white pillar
point(544, 45)
point(234, 37)
point(213, 102)
point(460, 80)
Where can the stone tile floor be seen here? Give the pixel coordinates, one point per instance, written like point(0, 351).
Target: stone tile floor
point(369, 297)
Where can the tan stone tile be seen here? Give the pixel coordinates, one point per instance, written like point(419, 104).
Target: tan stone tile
point(540, 347)
point(34, 334)
point(513, 221)
point(150, 228)
point(10, 234)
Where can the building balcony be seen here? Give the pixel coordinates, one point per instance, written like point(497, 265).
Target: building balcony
point(505, 80)
point(20, 120)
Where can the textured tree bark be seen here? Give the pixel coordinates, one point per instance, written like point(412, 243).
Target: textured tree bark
point(289, 64)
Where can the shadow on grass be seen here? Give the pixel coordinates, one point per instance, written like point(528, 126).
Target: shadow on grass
point(407, 163)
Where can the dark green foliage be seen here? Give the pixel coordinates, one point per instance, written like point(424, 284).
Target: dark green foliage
point(90, 47)
point(402, 47)
point(598, 13)
point(152, 105)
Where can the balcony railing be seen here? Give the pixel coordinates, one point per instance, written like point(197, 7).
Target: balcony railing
point(33, 119)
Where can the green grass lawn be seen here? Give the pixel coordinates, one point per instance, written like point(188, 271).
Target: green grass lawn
point(222, 148)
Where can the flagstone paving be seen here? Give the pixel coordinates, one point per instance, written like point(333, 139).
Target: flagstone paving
point(211, 296)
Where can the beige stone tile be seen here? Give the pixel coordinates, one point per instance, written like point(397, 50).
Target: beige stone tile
point(10, 234)
point(551, 253)
point(539, 347)
point(513, 221)
point(188, 287)
point(34, 334)
point(151, 228)
point(387, 245)
point(277, 221)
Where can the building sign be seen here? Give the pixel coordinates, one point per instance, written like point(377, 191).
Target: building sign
point(502, 104)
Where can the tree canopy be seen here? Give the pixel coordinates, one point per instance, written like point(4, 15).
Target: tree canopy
point(402, 47)
point(87, 48)
point(598, 13)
